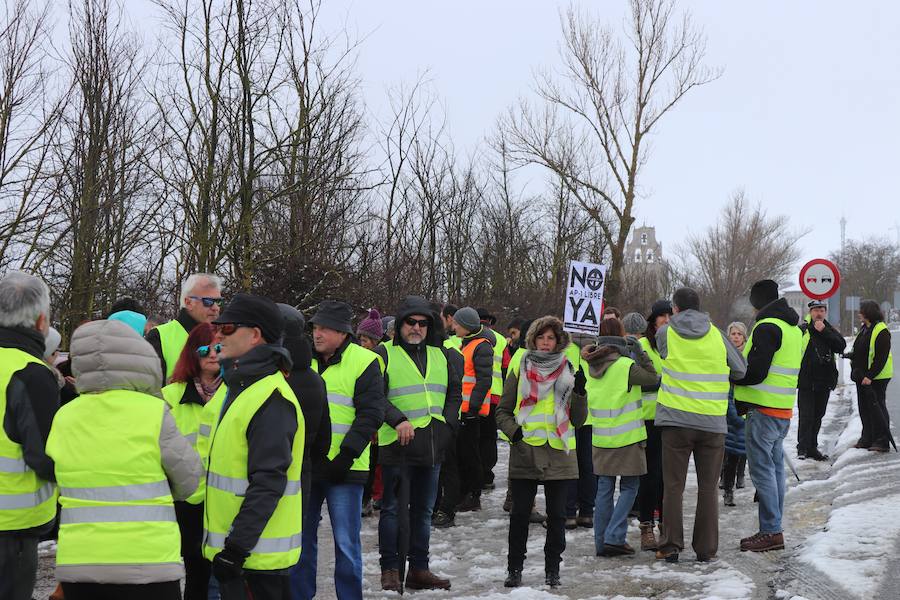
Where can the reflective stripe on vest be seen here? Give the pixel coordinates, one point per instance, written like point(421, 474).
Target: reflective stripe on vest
point(340, 383)
point(695, 374)
point(888, 371)
point(649, 398)
point(172, 338)
point(114, 494)
point(227, 481)
point(469, 379)
point(420, 398)
point(615, 412)
point(26, 500)
point(539, 427)
point(779, 388)
point(497, 375)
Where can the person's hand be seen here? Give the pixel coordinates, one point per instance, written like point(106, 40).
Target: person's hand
point(866, 381)
point(405, 432)
point(70, 380)
point(228, 564)
point(819, 325)
point(337, 468)
point(518, 435)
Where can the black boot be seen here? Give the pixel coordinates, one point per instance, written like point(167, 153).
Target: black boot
point(442, 520)
point(551, 578)
point(513, 578)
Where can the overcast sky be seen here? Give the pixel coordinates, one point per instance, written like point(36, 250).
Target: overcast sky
point(804, 118)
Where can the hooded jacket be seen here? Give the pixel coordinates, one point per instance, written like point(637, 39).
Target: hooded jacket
point(693, 324)
point(483, 361)
point(32, 399)
point(109, 355)
point(428, 446)
point(818, 370)
point(152, 337)
point(766, 342)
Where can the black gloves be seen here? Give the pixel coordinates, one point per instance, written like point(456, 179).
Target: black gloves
point(518, 435)
point(228, 564)
point(337, 468)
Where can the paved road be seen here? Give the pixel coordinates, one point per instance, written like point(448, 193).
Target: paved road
point(890, 588)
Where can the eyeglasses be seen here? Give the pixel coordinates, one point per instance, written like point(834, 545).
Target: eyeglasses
point(207, 301)
point(230, 328)
point(204, 351)
point(413, 322)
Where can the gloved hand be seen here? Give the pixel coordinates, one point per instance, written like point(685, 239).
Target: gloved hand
point(338, 467)
point(631, 342)
point(518, 435)
point(470, 416)
point(228, 564)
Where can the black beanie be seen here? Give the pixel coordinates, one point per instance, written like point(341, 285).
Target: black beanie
point(763, 292)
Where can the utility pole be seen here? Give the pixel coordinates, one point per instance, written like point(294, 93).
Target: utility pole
point(849, 327)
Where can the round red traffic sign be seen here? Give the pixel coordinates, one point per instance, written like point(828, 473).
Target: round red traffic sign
point(819, 279)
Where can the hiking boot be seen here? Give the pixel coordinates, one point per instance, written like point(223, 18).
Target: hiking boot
point(728, 498)
point(617, 550)
point(513, 578)
point(585, 522)
point(750, 539)
point(816, 455)
point(739, 482)
point(390, 580)
point(571, 523)
point(470, 503)
point(442, 520)
point(551, 579)
point(670, 556)
point(488, 487)
point(764, 542)
point(648, 540)
point(801, 456)
point(423, 579)
point(536, 517)
point(862, 445)
point(507, 503)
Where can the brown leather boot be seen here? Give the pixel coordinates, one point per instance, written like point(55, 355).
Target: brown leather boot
point(763, 542)
point(648, 540)
point(390, 580)
point(423, 579)
point(57, 593)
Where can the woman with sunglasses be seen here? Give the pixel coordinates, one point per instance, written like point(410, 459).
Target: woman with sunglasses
point(195, 381)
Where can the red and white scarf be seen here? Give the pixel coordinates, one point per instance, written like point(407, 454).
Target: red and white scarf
point(540, 374)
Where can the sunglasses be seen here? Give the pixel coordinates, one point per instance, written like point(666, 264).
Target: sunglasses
point(229, 328)
point(413, 322)
point(207, 301)
point(204, 351)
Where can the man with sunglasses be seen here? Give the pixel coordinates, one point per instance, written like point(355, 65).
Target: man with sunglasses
point(356, 403)
point(201, 302)
point(424, 390)
point(253, 506)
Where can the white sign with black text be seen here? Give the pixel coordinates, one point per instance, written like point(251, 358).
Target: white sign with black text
point(584, 297)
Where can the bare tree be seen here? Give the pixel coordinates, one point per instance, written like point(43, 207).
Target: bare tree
point(598, 111)
point(743, 246)
point(869, 269)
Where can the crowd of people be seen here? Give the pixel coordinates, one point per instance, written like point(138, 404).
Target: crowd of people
point(203, 449)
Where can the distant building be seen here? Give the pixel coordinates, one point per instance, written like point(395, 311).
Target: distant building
point(797, 299)
point(643, 247)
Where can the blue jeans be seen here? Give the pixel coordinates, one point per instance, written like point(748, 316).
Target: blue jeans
point(765, 457)
point(423, 483)
point(611, 522)
point(345, 510)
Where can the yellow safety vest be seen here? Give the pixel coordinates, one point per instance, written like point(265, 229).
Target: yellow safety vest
point(454, 342)
point(116, 503)
point(695, 374)
point(649, 398)
point(615, 411)
point(227, 482)
point(420, 398)
point(26, 500)
point(172, 338)
point(888, 371)
point(340, 383)
point(539, 427)
point(779, 388)
point(497, 378)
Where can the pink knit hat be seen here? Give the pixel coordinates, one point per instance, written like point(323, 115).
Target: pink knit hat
point(371, 326)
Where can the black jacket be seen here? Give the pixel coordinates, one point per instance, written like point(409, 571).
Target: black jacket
point(152, 337)
point(483, 360)
point(270, 435)
point(430, 442)
point(32, 399)
point(818, 369)
point(766, 342)
point(859, 356)
point(368, 401)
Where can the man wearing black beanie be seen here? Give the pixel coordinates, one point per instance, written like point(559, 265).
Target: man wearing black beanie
point(766, 394)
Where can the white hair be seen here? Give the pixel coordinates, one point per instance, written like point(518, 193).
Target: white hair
point(196, 279)
point(23, 298)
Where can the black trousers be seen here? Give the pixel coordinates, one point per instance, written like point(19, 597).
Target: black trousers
point(523, 492)
point(448, 481)
point(487, 444)
point(468, 457)
point(731, 466)
point(18, 566)
point(168, 590)
point(811, 405)
point(583, 491)
point(196, 568)
point(370, 480)
point(650, 492)
point(873, 413)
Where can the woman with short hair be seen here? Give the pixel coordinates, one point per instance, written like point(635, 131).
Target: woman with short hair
point(871, 368)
